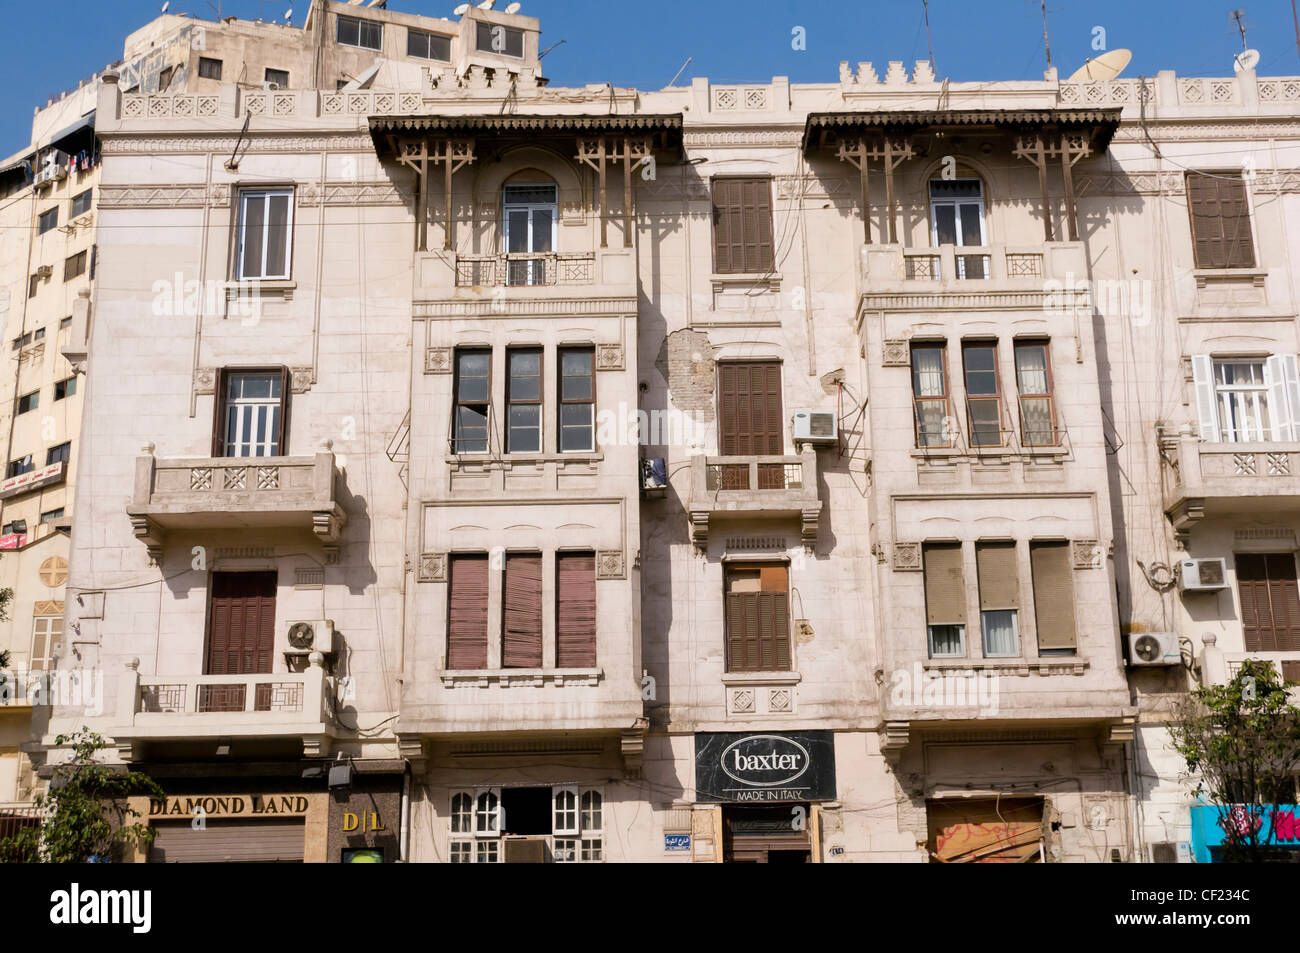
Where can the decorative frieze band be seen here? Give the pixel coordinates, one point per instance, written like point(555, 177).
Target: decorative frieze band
point(525, 307)
point(349, 194)
point(163, 196)
point(127, 144)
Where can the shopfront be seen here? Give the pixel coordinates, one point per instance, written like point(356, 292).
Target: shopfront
point(236, 827)
point(768, 788)
point(1277, 830)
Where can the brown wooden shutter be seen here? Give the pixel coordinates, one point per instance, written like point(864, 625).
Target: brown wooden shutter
point(241, 628)
point(945, 585)
point(750, 408)
point(742, 226)
point(1053, 595)
point(1270, 605)
point(998, 575)
point(1284, 600)
point(1220, 220)
point(521, 623)
point(467, 612)
point(575, 610)
point(758, 619)
point(282, 431)
point(219, 414)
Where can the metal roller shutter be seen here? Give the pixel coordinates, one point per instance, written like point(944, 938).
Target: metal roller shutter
point(228, 841)
point(1049, 564)
point(996, 568)
point(467, 612)
point(521, 623)
point(945, 586)
point(575, 610)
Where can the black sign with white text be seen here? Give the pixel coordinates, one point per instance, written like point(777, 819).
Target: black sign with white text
point(765, 767)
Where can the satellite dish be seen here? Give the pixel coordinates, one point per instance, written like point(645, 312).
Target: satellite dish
point(513, 8)
point(363, 78)
point(165, 6)
point(487, 4)
point(460, 10)
point(288, 15)
point(1107, 66)
point(1246, 59)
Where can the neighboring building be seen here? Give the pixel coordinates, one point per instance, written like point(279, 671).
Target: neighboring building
point(733, 472)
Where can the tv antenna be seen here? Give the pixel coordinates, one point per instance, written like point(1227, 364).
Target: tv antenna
point(925, 7)
point(681, 71)
point(551, 47)
point(1239, 16)
point(1047, 46)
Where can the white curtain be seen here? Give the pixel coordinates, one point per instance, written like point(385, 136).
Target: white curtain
point(1000, 637)
point(927, 374)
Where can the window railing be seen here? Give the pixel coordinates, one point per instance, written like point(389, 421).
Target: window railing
point(525, 269)
point(202, 696)
point(970, 263)
point(753, 473)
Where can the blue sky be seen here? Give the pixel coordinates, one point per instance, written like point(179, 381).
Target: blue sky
point(48, 47)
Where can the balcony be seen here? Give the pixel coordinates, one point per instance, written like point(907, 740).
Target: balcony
point(525, 270)
point(1219, 667)
point(755, 488)
point(256, 493)
point(1237, 480)
point(452, 284)
point(158, 708)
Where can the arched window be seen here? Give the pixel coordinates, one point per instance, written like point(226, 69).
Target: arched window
point(529, 210)
point(957, 218)
point(487, 819)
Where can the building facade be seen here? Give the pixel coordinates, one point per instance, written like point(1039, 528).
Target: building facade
point(476, 470)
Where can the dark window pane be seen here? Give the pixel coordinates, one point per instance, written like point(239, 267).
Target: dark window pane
point(945, 225)
point(277, 236)
point(254, 220)
point(972, 228)
point(981, 371)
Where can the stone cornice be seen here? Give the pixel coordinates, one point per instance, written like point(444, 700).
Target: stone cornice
point(192, 141)
point(524, 307)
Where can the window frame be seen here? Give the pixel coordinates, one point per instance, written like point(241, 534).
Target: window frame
point(266, 76)
point(996, 396)
point(765, 251)
point(74, 266)
point(579, 842)
point(425, 35)
point(509, 32)
point(1240, 396)
point(241, 231)
point(69, 385)
point(73, 210)
point(12, 471)
point(951, 439)
point(1022, 396)
point(457, 402)
point(35, 397)
point(221, 411)
point(51, 214)
point(562, 401)
point(959, 259)
point(1247, 213)
point(210, 68)
point(532, 265)
point(50, 454)
point(53, 635)
point(361, 25)
point(512, 402)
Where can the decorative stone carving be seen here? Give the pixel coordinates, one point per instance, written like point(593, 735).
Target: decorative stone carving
point(609, 357)
point(300, 379)
point(1087, 554)
point(896, 354)
point(610, 565)
point(907, 557)
point(437, 360)
point(433, 567)
point(205, 380)
point(780, 700)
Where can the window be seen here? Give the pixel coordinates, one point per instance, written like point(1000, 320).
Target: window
point(209, 68)
point(366, 34)
point(945, 599)
point(742, 226)
point(65, 388)
point(428, 46)
point(80, 204)
point(521, 611)
point(473, 396)
point(165, 78)
point(251, 414)
point(47, 221)
point(492, 38)
point(577, 400)
point(1247, 399)
point(484, 824)
point(65, 323)
point(74, 266)
point(529, 214)
point(983, 405)
point(750, 421)
point(49, 516)
point(1270, 607)
point(467, 612)
point(60, 454)
point(265, 233)
point(930, 396)
point(1049, 562)
point(999, 599)
point(278, 77)
point(20, 466)
point(1220, 220)
point(757, 617)
point(28, 402)
point(47, 634)
point(241, 636)
point(524, 400)
point(32, 285)
point(957, 218)
point(1034, 382)
point(16, 527)
point(575, 610)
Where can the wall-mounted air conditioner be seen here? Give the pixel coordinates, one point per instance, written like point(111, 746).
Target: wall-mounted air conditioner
point(1154, 648)
point(654, 478)
point(54, 168)
point(44, 271)
point(525, 850)
point(1202, 575)
point(815, 426)
point(316, 635)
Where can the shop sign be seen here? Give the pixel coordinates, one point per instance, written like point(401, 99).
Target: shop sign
point(249, 805)
point(765, 767)
point(677, 843)
point(32, 480)
point(13, 540)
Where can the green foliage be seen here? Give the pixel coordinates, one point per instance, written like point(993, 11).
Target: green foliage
point(1241, 742)
point(6, 597)
point(86, 813)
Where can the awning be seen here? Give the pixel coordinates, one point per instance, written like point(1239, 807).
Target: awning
point(666, 128)
point(1100, 124)
point(85, 122)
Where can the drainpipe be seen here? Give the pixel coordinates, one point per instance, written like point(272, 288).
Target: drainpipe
point(404, 841)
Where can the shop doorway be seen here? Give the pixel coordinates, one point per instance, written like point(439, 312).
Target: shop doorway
point(1006, 830)
point(766, 835)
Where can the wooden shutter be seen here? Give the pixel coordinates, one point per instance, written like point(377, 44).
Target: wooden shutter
point(467, 612)
point(521, 623)
point(1053, 595)
point(282, 431)
point(758, 619)
point(1203, 376)
point(1220, 220)
point(241, 628)
point(1270, 605)
point(998, 575)
point(749, 405)
point(219, 414)
point(575, 610)
point(1284, 600)
point(742, 226)
point(945, 585)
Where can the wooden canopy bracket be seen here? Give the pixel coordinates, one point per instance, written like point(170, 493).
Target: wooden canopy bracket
point(598, 152)
point(421, 155)
point(891, 152)
point(1069, 147)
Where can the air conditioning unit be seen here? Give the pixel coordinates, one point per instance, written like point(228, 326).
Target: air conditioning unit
point(815, 426)
point(525, 850)
point(54, 168)
point(1154, 648)
point(316, 635)
point(654, 478)
point(271, 87)
point(44, 271)
point(1202, 575)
